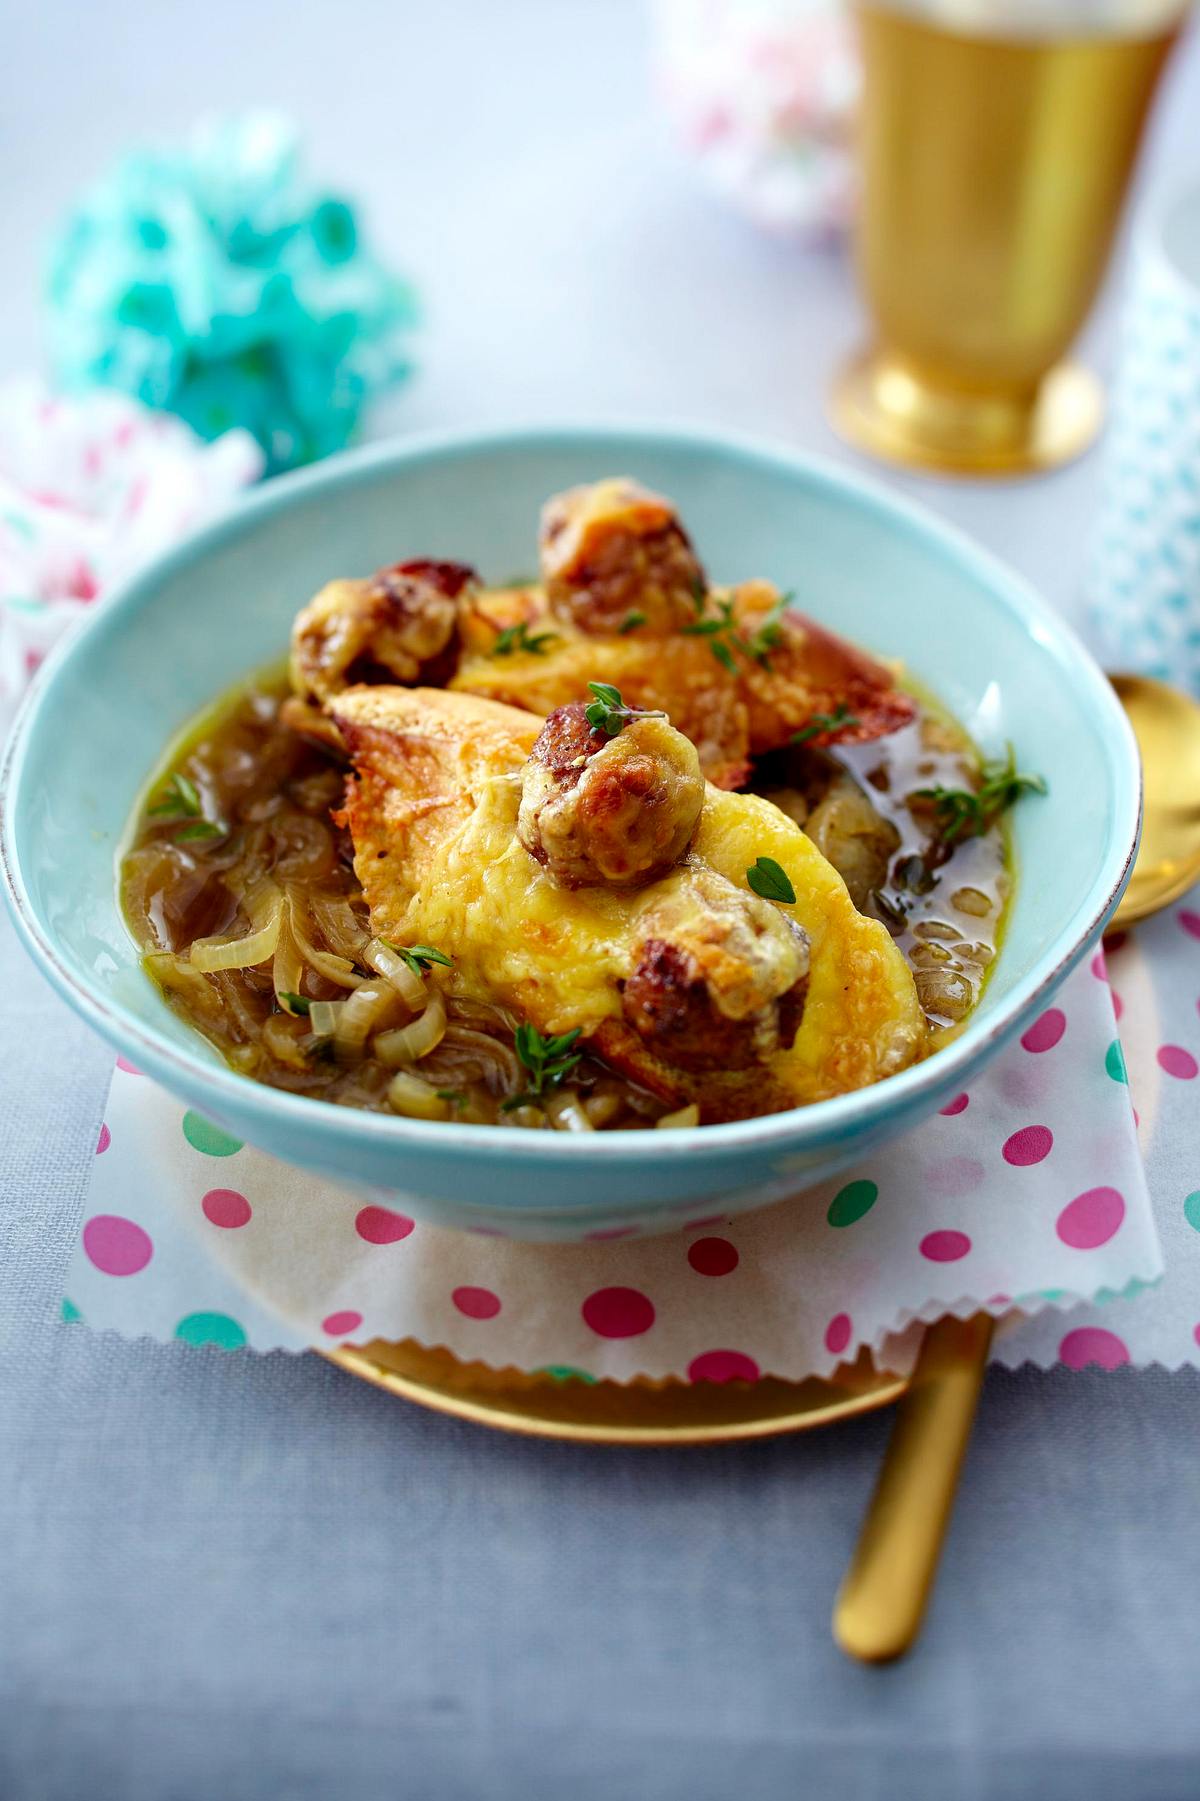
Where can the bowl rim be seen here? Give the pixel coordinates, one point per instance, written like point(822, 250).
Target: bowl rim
point(832, 1119)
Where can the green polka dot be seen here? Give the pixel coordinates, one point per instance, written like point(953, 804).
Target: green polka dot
point(71, 1314)
point(203, 1136)
point(211, 1328)
point(1114, 1061)
point(562, 1372)
point(851, 1202)
point(1191, 1210)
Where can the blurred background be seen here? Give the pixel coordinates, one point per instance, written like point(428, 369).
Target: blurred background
point(594, 226)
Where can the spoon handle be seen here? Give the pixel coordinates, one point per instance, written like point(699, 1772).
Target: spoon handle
point(882, 1599)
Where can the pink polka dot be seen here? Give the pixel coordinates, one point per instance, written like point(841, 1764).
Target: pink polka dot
point(956, 1176)
point(1099, 967)
point(338, 1324)
point(115, 1245)
point(226, 1207)
point(1190, 922)
point(959, 1104)
point(999, 1300)
point(945, 1247)
point(104, 1140)
point(837, 1333)
point(609, 1232)
point(618, 1312)
point(1093, 1344)
point(1046, 1031)
point(1196, 1334)
point(1091, 1219)
point(712, 1256)
point(1118, 1005)
point(476, 1303)
point(1030, 1145)
point(131, 1069)
point(379, 1225)
point(1177, 1062)
point(722, 1366)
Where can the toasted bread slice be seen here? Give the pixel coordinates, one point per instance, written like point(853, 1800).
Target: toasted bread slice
point(432, 806)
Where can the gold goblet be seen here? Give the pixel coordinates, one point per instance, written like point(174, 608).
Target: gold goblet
point(994, 166)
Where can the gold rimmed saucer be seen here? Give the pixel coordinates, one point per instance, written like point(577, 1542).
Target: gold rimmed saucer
point(670, 1412)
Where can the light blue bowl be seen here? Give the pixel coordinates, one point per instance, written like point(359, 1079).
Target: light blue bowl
point(869, 566)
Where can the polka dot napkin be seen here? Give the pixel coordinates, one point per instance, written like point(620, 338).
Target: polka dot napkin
point(1026, 1194)
point(1155, 973)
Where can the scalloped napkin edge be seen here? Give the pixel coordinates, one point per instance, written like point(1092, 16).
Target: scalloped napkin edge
point(1029, 1197)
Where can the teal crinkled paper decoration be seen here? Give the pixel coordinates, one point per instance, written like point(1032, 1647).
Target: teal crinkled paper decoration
point(215, 282)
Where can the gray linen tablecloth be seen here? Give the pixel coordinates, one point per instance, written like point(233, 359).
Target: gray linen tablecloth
point(225, 1576)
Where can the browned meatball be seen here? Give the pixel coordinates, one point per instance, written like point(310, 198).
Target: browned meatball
point(614, 556)
point(616, 811)
point(388, 628)
point(723, 986)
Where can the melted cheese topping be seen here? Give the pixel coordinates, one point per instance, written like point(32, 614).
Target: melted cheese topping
point(558, 956)
point(862, 1019)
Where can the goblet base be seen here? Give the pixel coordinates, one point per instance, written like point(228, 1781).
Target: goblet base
point(882, 405)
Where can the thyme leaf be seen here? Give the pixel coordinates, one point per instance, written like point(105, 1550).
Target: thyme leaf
point(719, 630)
point(180, 799)
point(770, 881)
point(821, 723)
point(420, 956)
point(515, 638)
point(768, 633)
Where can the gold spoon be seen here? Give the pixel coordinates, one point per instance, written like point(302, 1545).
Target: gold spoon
point(883, 1597)
point(1166, 725)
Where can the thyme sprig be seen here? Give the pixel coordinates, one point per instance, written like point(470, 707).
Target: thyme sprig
point(769, 632)
point(515, 638)
point(721, 630)
point(721, 634)
point(608, 713)
point(821, 724)
point(967, 813)
point(420, 956)
point(180, 801)
point(548, 1060)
